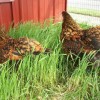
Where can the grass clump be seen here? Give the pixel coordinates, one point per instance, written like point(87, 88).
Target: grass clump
point(53, 76)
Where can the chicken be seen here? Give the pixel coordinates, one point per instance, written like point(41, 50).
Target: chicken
point(15, 49)
point(70, 35)
point(76, 39)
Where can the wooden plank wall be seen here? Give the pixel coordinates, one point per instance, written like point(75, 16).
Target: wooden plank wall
point(30, 10)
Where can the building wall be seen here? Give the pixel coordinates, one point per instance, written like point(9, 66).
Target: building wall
point(14, 11)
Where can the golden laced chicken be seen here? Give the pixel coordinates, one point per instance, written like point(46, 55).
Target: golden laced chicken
point(69, 36)
point(15, 49)
point(76, 39)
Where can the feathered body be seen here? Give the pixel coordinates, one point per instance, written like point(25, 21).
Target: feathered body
point(76, 39)
point(71, 40)
point(92, 37)
point(15, 49)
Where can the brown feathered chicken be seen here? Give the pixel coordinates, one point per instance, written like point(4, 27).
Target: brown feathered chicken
point(15, 49)
point(70, 35)
point(76, 39)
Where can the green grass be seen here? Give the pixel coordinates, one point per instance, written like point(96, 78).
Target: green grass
point(84, 11)
point(53, 76)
